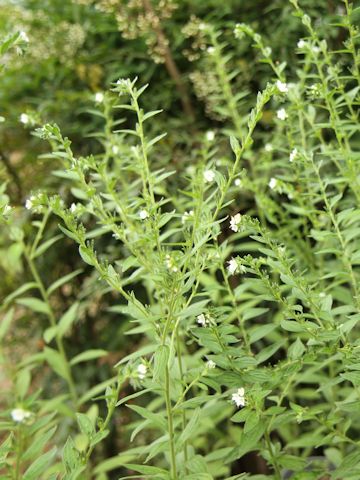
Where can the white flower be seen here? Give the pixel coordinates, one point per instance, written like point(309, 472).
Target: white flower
point(272, 183)
point(235, 222)
point(19, 415)
point(232, 266)
point(2, 119)
point(268, 147)
point(301, 43)
point(115, 149)
point(171, 264)
point(29, 203)
point(210, 364)
point(281, 114)
point(211, 50)
point(142, 371)
point(315, 49)
point(99, 97)
point(143, 214)
point(209, 176)
point(23, 36)
point(202, 320)
point(210, 135)
point(24, 118)
point(73, 207)
point(202, 26)
point(237, 182)
point(282, 87)
point(293, 155)
point(239, 398)
point(187, 216)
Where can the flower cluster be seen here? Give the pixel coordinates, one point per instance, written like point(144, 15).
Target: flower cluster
point(239, 397)
point(19, 415)
point(203, 319)
point(235, 222)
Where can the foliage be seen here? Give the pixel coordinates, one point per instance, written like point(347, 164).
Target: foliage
point(183, 304)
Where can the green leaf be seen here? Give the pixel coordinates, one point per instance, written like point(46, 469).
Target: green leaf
point(44, 246)
point(70, 455)
point(88, 355)
point(34, 304)
point(147, 469)
point(67, 319)
point(86, 425)
point(5, 323)
point(86, 256)
point(66, 278)
point(161, 358)
point(190, 428)
point(56, 362)
point(23, 382)
point(38, 445)
point(155, 418)
point(296, 350)
point(20, 291)
point(36, 469)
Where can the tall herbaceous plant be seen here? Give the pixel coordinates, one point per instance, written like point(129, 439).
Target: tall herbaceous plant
point(245, 318)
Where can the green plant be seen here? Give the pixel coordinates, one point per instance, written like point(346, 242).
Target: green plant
point(235, 273)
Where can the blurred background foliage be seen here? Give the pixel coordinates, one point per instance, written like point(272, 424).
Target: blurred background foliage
point(77, 48)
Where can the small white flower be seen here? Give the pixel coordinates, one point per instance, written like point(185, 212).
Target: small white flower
point(237, 182)
point(29, 203)
point(143, 214)
point(315, 49)
point(239, 397)
point(268, 147)
point(235, 222)
point(211, 50)
point(115, 149)
point(209, 176)
point(116, 236)
point(210, 135)
point(187, 216)
point(171, 264)
point(73, 208)
point(272, 183)
point(202, 320)
point(210, 364)
point(202, 26)
point(99, 97)
point(19, 415)
point(23, 36)
point(301, 43)
point(232, 266)
point(281, 114)
point(24, 118)
point(282, 87)
point(293, 155)
point(142, 371)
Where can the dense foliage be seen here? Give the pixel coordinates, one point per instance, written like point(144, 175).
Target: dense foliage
point(180, 240)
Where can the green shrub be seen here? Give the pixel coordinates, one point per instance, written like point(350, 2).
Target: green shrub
point(226, 277)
